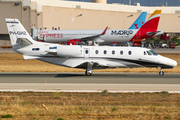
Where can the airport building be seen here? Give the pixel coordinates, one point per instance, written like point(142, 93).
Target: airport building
point(64, 15)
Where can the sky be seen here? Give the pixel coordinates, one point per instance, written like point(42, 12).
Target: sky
point(142, 2)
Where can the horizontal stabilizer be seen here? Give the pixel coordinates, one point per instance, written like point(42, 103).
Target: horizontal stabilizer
point(27, 57)
point(156, 32)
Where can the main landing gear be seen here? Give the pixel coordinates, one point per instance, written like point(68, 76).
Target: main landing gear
point(89, 70)
point(161, 73)
point(88, 73)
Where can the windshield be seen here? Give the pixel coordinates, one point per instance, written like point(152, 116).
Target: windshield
point(154, 53)
point(149, 53)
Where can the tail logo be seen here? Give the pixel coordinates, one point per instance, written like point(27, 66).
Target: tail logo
point(136, 25)
point(17, 33)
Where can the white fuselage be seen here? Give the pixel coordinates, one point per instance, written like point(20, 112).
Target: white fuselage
point(76, 56)
point(124, 35)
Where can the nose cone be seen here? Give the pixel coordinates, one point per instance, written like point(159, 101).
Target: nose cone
point(173, 63)
point(168, 62)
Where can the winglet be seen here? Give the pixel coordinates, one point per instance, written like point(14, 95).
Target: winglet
point(104, 31)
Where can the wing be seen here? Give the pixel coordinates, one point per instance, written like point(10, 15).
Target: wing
point(96, 65)
point(91, 38)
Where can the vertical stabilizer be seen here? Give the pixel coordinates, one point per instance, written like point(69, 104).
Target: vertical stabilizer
point(139, 21)
point(149, 29)
point(17, 33)
point(153, 21)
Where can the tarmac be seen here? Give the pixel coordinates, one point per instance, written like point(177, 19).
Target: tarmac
point(78, 82)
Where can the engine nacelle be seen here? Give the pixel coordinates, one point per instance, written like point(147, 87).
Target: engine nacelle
point(69, 50)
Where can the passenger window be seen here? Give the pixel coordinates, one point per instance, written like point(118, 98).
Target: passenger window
point(129, 52)
point(35, 49)
point(105, 52)
point(149, 53)
point(113, 52)
point(144, 52)
point(121, 52)
point(86, 51)
point(96, 51)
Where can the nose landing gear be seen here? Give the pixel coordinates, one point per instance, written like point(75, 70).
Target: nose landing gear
point(161, 73)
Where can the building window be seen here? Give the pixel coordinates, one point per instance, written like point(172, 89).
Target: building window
point(129, 52)
point(58, 28)
point(121, 52)
point(177, 11)
point(78, 6)
point(105, 52)
point(113, 52)
point(52, 28)
point(139, 11)
point(96, 51)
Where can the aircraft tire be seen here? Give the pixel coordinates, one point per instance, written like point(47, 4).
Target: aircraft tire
point(161, 73)
point(88, 73)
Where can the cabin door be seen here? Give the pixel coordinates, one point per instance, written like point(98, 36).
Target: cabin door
point(86, 52)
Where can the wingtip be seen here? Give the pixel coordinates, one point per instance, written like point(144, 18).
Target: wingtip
point(105, 30)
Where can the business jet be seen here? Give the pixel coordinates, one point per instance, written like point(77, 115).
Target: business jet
point(84, 57)
point(137, 31)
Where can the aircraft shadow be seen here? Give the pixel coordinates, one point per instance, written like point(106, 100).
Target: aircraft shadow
point(68, 75)
point(94, 75)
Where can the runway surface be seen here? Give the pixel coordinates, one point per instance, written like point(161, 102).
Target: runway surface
point(96, 82)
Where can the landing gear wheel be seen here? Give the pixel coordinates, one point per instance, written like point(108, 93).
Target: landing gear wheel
point(159, 68)
point(88, 73)
point(161, 73)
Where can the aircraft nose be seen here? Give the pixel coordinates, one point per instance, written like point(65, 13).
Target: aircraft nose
point(174, 63)
point(171, 62)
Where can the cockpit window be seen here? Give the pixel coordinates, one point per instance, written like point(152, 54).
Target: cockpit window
point(154, 53)
point(144, 52)
point(149, 53)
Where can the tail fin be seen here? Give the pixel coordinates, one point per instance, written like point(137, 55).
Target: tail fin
point(18, 35)
point(153, 21)
point(139, 21)
point(149, 29)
